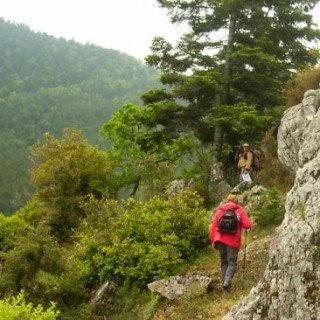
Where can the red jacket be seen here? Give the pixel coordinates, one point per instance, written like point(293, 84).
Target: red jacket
point(233, 240)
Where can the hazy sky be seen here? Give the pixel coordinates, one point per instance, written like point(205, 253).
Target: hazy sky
point(125, 25)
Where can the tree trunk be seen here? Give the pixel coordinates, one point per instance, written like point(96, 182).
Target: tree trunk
point(225, 99)
point(135, 187)
point(217, 182)
point(217, 143)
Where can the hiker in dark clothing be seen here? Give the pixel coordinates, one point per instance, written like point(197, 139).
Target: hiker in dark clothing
point(228, 244)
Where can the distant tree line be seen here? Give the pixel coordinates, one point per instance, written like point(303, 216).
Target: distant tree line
point(47, 84)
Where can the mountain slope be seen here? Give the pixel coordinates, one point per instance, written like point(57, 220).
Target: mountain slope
point(47, 84)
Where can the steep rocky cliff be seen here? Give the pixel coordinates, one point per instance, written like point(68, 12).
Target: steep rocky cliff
point(290, 286)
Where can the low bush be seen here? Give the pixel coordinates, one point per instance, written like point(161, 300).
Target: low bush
point(17, 308)
point(93, 234)
point(154, 238)
point(273, 174)
point(9, 228)
point(40, 267)
point(272, 210)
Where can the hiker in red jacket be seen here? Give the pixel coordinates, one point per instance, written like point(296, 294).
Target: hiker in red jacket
point(227, 243)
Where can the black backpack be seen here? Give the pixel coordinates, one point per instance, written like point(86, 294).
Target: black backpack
point(228, 222)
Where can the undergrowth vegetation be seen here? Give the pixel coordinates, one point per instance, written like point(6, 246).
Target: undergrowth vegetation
point(17, 308)
point(152, 239)
point(127, 243)
point(273, 173)
point(271, 211)
point(306, 79)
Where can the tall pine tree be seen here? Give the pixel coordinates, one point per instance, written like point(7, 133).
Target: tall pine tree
point(238, 52)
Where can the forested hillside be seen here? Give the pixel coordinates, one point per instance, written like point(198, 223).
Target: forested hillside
point(47, 84)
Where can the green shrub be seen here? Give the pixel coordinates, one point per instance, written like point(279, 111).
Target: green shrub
point(33, 212)
point(16, 308)
point(93, 234)
point(40, 267)
point(271, 211)
point(9, 228)
point(151, 307)
point(66, 171)
point(155, 237)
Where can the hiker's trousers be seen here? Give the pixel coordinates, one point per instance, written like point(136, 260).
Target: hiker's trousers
point(229, 257)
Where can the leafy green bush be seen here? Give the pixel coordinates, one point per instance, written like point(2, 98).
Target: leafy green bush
point(155, 237)
point(272, 210)
point(66, 171)
point(33, 212)
point(16, 308)
point(40, 267)
point(9, 228)
point(94, 233)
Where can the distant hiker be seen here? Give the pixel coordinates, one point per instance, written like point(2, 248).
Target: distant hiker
point(245, 163)
point(228, 242)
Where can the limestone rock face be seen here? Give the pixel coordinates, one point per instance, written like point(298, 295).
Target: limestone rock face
point(290, 286)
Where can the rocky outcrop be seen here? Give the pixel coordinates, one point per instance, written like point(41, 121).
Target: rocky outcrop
point(178, 285)
point(218, 186)
point(103, 298)
point(176, 186)
point(290, 286)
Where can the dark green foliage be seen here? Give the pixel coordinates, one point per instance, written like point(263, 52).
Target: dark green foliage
point(35, 252)
point(48, 84)
point(273, 173)
point(13, 226)
point(272, 210)
point(93, 234)
point(40, 267)
point(262, 45)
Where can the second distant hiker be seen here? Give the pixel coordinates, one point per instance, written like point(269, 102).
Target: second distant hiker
point(245, 163)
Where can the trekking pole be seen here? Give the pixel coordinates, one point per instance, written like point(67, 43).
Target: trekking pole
point(244, 253)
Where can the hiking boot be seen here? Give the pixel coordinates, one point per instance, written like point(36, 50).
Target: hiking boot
point(226, 286)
